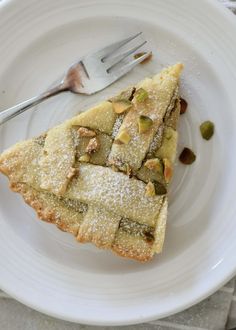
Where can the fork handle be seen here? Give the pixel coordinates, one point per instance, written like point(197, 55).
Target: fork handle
point(12, 112)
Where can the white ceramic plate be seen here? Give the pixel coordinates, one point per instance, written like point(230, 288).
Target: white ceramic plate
point(45, 268)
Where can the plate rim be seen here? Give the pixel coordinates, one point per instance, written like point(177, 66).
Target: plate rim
point(228, 15)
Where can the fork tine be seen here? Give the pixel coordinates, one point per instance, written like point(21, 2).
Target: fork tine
point(116, 74)
point(109, 50)
point(117, 59)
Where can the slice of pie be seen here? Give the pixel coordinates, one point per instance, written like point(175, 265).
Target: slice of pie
point(103, 175)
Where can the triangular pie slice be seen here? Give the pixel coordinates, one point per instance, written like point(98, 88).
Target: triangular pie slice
point(103, 175)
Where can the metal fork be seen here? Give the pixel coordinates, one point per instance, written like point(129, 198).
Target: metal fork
point(90, 74)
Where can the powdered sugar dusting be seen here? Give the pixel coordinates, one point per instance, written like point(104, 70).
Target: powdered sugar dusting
point(116, 192)
point(162, 91)
point(117, 125)
point(156, 142)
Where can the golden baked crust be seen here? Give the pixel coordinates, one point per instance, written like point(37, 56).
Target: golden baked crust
point(90, 179)
point(51, 209)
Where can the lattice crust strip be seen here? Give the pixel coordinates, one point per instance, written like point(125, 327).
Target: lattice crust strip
point(160, 91)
